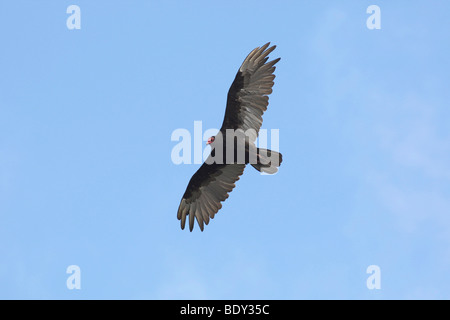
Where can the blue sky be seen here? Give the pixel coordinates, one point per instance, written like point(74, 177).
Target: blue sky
point(86, 176)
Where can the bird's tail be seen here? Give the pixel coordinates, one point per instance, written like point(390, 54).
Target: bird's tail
point(268, 161)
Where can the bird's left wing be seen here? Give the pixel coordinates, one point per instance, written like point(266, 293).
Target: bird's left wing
point(208, 187)
point(248, 95)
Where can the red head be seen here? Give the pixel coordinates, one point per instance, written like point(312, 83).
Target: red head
point(211, 140)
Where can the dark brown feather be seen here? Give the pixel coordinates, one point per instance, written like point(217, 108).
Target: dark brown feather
point(248, 95)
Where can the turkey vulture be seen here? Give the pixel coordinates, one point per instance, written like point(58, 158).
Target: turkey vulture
point(246, 102)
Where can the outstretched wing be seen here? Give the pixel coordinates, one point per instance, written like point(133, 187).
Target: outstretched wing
point(248, 94)
point(208, 187)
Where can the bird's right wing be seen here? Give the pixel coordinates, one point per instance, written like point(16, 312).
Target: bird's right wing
point(208, 187)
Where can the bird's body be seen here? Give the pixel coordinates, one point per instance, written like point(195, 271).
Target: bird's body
point(234, 146)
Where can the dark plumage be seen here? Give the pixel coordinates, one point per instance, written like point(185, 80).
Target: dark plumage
point(246, 102)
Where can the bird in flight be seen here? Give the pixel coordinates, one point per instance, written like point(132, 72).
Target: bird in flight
point(234, 146)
